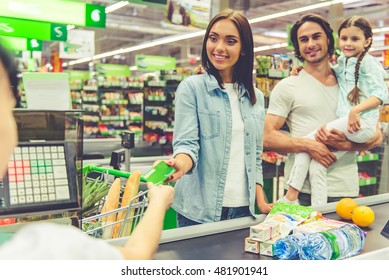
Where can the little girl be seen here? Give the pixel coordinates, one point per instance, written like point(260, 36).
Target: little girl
point(362, 89)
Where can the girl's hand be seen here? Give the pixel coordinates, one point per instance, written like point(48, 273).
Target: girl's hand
point(354, 121)
point(295, 70)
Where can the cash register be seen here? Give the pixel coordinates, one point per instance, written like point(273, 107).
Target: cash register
point(42, 172)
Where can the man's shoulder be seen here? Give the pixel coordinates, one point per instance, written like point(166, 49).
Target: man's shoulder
point(292, 80)
point(287, 84)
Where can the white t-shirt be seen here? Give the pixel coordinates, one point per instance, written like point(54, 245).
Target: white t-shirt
point(49, 241)
point(235, 191)
point(307, 104)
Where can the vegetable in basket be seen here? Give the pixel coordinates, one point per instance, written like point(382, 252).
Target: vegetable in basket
point(92, 193)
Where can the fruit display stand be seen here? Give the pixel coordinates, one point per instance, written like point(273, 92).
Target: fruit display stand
point(224, 240)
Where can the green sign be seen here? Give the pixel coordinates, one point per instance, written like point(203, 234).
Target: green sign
point(158, 3)
point(155, 63)
point(21, 44)
point(58, 11)
point(78, 75)
point(34, 45)
point(113, 70)
point(33, 29)
point(95, 15)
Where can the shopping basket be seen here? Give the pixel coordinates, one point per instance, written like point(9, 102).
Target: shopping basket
point(95, 224)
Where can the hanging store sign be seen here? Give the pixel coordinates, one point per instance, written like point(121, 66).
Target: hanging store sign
point(80, 44)
point(155, 63)
point(58, 11)
point(189, 12)
point(114, 70)
point(20, 44)
point(78, 75)
point(32, 29)
point(150, 2)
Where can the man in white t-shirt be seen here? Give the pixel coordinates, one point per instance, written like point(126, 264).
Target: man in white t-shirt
point(49, 241)
point(308, 101)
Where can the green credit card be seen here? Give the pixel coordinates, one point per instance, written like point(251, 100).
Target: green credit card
point(159, 173)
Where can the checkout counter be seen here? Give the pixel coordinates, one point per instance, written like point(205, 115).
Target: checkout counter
point(225, 240)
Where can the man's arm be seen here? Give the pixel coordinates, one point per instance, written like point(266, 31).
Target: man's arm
point(336, 139)
point(279, 142)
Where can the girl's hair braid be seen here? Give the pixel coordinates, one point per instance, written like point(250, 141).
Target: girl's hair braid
point(365, 26)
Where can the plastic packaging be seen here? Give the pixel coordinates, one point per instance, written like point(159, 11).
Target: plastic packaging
point(287, 248)
point(337, 243)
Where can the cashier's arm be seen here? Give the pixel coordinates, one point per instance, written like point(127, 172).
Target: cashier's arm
point(277, 141)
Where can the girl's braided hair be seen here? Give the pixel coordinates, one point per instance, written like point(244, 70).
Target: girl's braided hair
point(365, 26)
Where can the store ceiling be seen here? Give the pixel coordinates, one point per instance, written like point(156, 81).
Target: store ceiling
point(135, 24)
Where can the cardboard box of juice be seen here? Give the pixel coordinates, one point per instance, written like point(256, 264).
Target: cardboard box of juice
point(265, 230)
point(267, 247)
point(318, 226)
point(251, 245)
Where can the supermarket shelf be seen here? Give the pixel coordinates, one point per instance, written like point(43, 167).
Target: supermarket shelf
point(366, 182)
point(367, 157)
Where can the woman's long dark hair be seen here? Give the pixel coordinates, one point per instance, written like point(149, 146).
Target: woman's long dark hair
point(243, 69)
point(365, 26)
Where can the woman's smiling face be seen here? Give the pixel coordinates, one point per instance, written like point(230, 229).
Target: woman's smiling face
point(224, 48)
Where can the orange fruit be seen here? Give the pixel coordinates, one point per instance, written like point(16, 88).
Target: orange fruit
point(345, 207)
point(363, 216)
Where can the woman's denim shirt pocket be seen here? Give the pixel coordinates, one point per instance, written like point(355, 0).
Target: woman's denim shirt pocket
point(209, 123)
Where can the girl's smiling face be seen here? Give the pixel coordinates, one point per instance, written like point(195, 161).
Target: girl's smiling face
point(352, 41)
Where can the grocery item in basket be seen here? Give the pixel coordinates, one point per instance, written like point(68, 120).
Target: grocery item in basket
point(131, 190)
point(92, 192)
point(111, 203)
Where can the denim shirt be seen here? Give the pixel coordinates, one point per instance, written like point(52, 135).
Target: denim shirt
point(203, 130)
point(370, 82)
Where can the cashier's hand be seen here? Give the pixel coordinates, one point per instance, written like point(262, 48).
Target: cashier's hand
point(160, 195)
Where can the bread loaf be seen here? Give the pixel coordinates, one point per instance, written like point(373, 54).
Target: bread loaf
point(131, 190)
point(111, 203)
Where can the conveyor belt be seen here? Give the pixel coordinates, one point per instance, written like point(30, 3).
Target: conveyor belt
point(230, 245)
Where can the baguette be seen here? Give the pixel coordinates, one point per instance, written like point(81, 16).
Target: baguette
point(131, 190)
point(111, 203)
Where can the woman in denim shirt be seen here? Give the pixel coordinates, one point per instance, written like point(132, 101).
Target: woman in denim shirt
point(219, 128)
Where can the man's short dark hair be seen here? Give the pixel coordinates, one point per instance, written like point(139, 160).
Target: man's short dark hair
point(319, 20)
